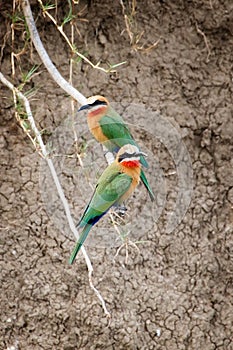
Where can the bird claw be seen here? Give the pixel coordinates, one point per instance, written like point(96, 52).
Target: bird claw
point(120, 210)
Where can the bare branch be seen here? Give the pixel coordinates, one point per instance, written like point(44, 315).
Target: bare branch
point(82, 100)
point(45, 155)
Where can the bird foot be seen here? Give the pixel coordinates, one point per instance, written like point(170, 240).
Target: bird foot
point(120, 210)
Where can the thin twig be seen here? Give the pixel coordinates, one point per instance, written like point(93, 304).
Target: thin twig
point(107, 313)
point(72, 104)
point(115, 224)
point(12, 43)
point(72, 47)
point(45, 154)
point(126, 241)
point(131, 28)
point(45, 57)
point(205, 41)
point(149, 48)
point(126, 244)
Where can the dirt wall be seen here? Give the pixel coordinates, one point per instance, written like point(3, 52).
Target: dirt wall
point(176, 293)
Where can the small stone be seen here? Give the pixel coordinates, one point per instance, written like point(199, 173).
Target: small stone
point(205, 157)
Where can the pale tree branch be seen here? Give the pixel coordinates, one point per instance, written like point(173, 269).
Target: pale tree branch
point(45, 155)
point(76, 95)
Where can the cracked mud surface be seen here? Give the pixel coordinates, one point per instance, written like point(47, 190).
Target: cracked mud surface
point(180, 284)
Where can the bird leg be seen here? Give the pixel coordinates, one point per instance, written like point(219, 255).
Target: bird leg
point(120, 210)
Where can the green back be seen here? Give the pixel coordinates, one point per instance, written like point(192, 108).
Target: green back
point(117, 132)
point(111, 186)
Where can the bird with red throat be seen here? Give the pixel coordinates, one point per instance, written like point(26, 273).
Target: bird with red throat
point(114, 186)
point(109, 128)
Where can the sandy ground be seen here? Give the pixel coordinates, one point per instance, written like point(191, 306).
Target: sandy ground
point(176, 292)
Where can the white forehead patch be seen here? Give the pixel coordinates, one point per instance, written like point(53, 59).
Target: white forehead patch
point(91, 100)
point(130, 149)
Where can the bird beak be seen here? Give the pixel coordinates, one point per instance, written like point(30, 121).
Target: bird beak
point(83, 107)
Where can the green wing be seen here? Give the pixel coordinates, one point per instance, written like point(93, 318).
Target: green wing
point(109, 190)
point(116, 131)
point(118, 134)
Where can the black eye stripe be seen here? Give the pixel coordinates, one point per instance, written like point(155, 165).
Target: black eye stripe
point(126, 155)
point(98, 103)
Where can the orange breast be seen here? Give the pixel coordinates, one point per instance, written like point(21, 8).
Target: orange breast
point(134, 172)
point(94, 127)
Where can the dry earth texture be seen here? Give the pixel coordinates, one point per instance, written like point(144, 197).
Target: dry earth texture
point(176, 292)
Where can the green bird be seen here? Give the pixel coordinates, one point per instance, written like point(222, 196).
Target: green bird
point(108, 128)
point(114, 186)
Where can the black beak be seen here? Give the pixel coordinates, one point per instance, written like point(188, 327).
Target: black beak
point(84, 107)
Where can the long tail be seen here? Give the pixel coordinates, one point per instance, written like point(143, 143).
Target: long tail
point(146, 184)
point(144, 162)
point(80, 242)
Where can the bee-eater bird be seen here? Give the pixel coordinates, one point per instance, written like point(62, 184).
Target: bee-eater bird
point(114, 186)
point(108, 128)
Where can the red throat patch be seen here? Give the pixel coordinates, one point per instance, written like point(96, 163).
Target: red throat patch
point(131, 163)
point(97, 111)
